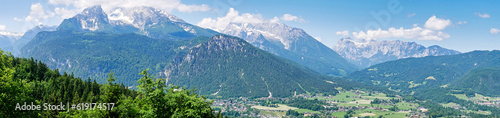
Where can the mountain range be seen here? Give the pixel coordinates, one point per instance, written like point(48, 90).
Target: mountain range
point(230, 66)
point(129, 40)
point(472, 71)
point(366, 53)
point(7, 39)
point(293, 44)
point(12, 42)
point(146, 21)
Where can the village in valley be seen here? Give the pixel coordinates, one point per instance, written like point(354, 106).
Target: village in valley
point(346, 103)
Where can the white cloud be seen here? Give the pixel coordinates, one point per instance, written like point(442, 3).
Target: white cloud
point(289, 17)
point(18, 19)
point(482, 15)
point(411, 15)
point(430, 31)
point(166, 5)
point(37, 13)
point(343, 33)
point(2, 27)
point(462, 22)
point(275, 19)
point(435, 23)
point(233, 16)
point(6, 33)
point(494, 31)
point(65, 13)
point(413, 33)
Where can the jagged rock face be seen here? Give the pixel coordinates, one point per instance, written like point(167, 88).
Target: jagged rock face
point(140, 17)
point(148, 21)
point(92, 18)
point(274, 32)
point(367, 53)
point(293, 44)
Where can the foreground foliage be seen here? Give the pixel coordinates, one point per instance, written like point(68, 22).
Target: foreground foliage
point(26, 80)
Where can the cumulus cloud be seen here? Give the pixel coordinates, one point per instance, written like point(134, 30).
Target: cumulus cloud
point(494, 31)
point(289, 17)
point(431, 31)
point(435, 23)
point(18, 19)
point(37, 13)
point(233, 16)
point(343, 33)
point(65, 13)
point(482, 15)
point(2, 27)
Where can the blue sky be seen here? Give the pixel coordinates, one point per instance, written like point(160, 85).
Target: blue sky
point(459, 25)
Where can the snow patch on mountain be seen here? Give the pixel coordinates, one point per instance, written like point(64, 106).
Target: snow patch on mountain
point(140, 17)
point(365, 53)
point(272, 31)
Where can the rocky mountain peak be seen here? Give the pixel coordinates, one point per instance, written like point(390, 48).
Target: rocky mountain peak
point(140, 17)
point(92, 18)
point(366, 53)
point(225, 42)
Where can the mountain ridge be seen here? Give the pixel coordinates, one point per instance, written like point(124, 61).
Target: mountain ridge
point(230, 66)
point(293, 44)
point(147, 21)
point(411, 74)
point(366, 53)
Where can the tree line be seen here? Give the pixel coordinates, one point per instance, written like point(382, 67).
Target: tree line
point(28, 80)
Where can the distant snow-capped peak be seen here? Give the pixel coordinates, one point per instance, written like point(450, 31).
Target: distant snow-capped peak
point(140, 17)
point(92, 18)
point(274, 32)
point(377, 52)
point(95, 17)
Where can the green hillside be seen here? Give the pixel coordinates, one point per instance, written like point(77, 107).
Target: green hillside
point(484, 81)
point(94, 54)
point(242, 71)
point(229, 66)
point(407, 75)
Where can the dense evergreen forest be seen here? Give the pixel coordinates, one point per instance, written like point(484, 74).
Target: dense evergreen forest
point(32, 82)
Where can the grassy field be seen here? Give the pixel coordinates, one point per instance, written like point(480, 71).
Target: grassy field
point(376, 113)
point(340, 97)
point(278, 114)
point(306, 110)
point(460, 96)
point(406, 106)
point(480, 112)
point(339, 114)
point(280, 107)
